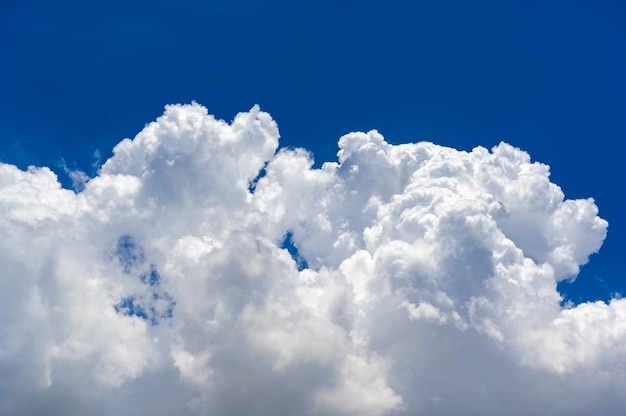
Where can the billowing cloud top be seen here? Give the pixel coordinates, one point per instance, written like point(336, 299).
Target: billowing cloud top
point(202, 272)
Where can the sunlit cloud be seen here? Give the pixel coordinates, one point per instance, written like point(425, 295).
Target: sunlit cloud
point(204, 270)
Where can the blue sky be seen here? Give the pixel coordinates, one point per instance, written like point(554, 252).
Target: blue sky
point(548, 77)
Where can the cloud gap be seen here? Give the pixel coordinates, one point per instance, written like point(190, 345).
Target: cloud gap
point(289, 245)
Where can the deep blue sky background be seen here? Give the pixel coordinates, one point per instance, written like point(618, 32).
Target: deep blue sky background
point(549, 77)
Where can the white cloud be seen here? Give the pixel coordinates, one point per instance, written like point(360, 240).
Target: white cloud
point(164, 285)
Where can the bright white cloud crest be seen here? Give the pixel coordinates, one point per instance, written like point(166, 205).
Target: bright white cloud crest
point(425, 281)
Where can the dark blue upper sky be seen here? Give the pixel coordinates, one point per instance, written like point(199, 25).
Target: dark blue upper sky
point(549, 77)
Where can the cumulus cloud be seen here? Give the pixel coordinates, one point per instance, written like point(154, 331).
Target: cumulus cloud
point(204, 271)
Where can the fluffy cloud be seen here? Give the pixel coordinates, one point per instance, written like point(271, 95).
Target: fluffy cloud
point(204, 272)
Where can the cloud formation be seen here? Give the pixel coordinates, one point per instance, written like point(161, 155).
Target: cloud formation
point(204, 272)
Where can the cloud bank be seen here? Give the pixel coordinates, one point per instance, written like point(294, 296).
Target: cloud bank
point(204, 272)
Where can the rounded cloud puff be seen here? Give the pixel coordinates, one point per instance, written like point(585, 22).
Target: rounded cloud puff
point(204, 272)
